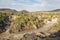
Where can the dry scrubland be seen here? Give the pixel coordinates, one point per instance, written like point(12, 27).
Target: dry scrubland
point(34, 20)
point(20, 22)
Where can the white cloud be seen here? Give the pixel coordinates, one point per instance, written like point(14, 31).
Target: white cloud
point(31, 5)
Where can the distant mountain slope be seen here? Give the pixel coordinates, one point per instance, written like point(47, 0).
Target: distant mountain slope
point(23, 11)
point(7, 10)
point(56, 10)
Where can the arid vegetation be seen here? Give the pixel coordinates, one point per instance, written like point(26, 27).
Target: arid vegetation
point(18, 22)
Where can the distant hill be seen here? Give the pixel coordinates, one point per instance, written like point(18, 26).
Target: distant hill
point(56, 10)
point(6, 10)
point(23, 11)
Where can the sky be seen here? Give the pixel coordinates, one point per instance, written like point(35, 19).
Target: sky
point(30, 5)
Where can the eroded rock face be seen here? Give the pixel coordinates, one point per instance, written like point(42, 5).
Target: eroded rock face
point(33, 36)
point(30, 37)
point(4, 24)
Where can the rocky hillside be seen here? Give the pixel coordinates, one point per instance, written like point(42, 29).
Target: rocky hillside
point(22, 21)
point(23, 24)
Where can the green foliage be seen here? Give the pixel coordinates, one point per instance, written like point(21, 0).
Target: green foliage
point(30, 20)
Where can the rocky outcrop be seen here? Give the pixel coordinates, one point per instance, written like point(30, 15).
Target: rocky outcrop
point(4, 23)
point(30, 37)
point(33, 36)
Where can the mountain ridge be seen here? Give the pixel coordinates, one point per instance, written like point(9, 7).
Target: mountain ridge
point(24, 11)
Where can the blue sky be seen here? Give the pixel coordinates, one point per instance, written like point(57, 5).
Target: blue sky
point(30, 5)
